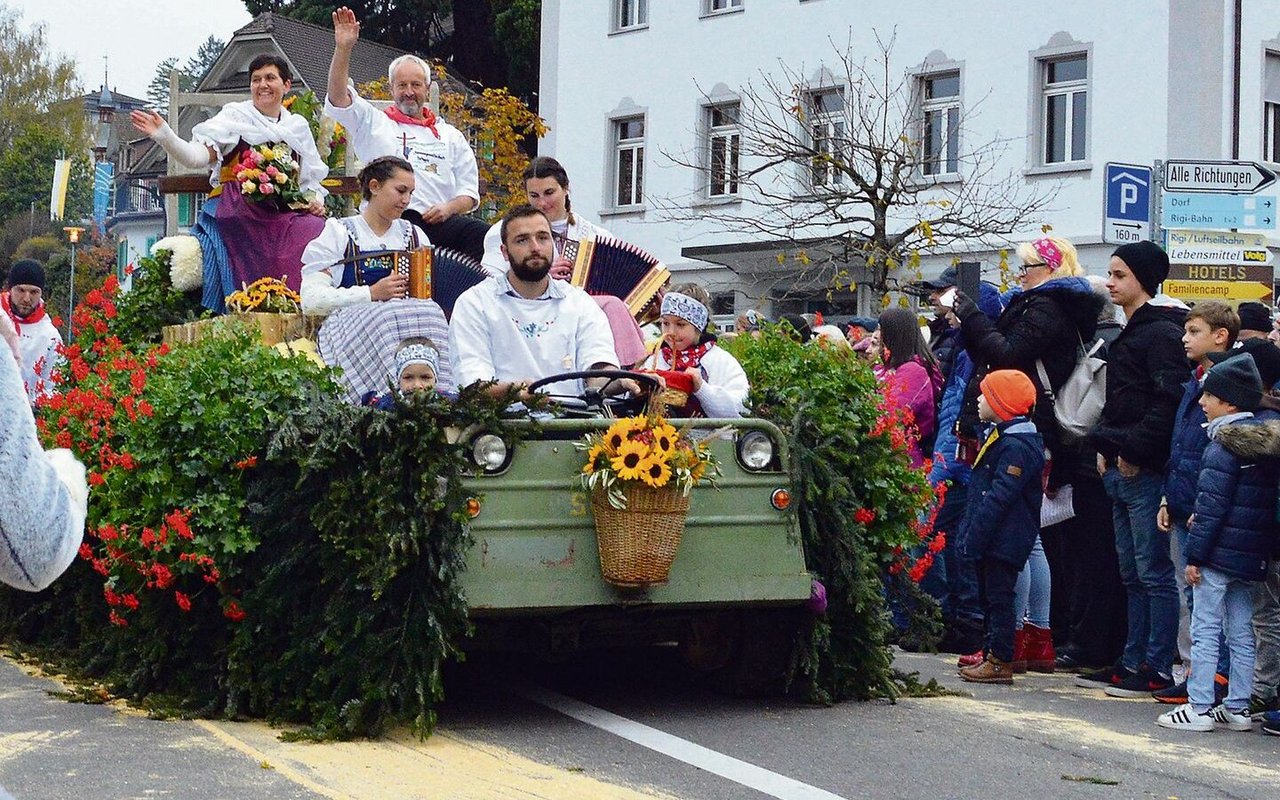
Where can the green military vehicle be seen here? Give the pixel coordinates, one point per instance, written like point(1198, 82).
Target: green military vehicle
point(738, 585)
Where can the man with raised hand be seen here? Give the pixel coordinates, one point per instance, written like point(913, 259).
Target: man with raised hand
point(447, 186)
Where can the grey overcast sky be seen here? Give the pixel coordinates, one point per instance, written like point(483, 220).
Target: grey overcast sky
point(134, 35)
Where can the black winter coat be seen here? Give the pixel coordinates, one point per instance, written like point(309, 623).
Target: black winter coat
point(1146, 369)
point(1048, 323)
point(1234, 528)
point(1002, 509)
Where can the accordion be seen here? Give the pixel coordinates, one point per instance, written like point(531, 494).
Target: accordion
point(440, 274)
point(611, 266)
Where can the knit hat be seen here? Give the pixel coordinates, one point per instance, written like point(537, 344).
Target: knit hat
point(1266, 357)
point(1009, 392)
point(1236, 381)
point(1148, 261)
point(1254, 317)
point(26, 273)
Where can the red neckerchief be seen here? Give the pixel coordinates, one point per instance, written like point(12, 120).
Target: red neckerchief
point(428, 120)
point(30, 319)
point(684, 359)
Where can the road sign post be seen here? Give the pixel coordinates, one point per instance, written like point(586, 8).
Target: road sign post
point(1126, 204)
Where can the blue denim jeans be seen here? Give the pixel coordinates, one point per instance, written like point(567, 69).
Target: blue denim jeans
point(953, 580)
point(1224, 605)
point(1031, 592)
point(1146, 569)
point(1180, 567)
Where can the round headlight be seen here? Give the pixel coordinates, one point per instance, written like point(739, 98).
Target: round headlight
point(489, 452)
point(755, 451)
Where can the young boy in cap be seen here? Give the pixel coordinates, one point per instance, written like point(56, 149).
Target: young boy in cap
point(1002, 516)
point(38, 339)
point(1230, 537)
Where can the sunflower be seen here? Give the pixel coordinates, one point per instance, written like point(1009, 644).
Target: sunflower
point(620, 431)
point(664, 439)
point(654, 471)
point(595, 452)
point(627, 463)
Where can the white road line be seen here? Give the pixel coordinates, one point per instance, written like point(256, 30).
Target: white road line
point(741, 772)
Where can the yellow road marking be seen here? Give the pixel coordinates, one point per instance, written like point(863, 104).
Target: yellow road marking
point(445, 767)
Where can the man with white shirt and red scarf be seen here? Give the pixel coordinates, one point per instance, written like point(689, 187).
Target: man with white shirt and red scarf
point(447, 186)
point(38, 339)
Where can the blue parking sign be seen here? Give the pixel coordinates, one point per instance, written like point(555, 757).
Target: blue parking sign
point(1127, 205)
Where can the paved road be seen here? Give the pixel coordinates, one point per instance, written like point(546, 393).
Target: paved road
point(634, 724)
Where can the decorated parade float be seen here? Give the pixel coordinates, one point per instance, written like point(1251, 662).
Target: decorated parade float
point(258, 545)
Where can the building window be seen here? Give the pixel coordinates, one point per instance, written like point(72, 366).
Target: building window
point(630, 14)
point(720, 6)
point(827, 137)
point(1064, 108)
point(940, 123)
point(1271, 109)
point(628, 161)
point(724, 144)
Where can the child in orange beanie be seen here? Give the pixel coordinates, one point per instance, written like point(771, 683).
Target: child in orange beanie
point(1002, 515)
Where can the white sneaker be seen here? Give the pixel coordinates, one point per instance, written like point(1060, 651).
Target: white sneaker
point(1186, 718)
point(1224, 717)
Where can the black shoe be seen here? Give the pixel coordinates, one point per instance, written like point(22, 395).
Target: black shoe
point(962, 636)
point(1069, 662)
point(1174, 695)
point(1142, 683)
point(1105, 677)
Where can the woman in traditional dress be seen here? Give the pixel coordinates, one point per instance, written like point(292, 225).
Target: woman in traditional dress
point(547, 184)
point(243, 240)
point(333, 273)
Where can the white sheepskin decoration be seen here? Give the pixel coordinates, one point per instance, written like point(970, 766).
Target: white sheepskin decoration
point(186, 266)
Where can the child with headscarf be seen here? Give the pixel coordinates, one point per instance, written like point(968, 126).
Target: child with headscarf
point(689, 360)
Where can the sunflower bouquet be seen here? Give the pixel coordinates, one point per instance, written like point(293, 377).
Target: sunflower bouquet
point(644, 451)
point(265, 294)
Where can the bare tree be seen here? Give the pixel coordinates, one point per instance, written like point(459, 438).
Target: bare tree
point(835, 173)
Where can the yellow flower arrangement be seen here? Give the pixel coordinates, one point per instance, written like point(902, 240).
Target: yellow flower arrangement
point(265, 294)
point(646, 451)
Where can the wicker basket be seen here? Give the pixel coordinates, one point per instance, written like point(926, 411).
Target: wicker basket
point(638, 543)
point(271, 328)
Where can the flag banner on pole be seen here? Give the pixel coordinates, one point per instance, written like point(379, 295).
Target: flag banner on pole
point(102, 172)
point(58, 194)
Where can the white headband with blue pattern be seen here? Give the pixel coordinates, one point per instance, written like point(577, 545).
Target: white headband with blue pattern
point(686, 308)
point(417, 354)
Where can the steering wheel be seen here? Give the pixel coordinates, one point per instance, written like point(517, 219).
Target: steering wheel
point(594, 398)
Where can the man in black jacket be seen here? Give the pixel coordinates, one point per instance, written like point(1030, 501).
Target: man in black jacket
point(1146, 366)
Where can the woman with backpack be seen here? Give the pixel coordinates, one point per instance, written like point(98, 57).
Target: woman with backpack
point(1044, 324)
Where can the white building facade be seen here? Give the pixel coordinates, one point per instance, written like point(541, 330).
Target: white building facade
point(636, 90)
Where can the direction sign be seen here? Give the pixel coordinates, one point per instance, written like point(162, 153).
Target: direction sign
point(1231, 283)
point(1217, 211)
point(1126, 213)
point(1227, 291)
point(1216, 247)
point(1222, 177)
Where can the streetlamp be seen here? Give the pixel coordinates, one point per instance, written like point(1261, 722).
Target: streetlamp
point(73, 233)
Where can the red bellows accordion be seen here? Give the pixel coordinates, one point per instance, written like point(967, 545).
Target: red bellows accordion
point(611, 266)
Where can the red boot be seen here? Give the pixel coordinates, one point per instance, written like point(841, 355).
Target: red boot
point(1019, 662)
point(973, 659)
point(1039, 649)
